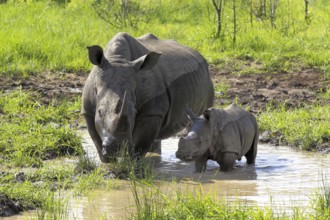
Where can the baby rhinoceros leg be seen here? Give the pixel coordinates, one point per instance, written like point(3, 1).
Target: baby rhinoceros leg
point(227, 161)
point(252, 153)
point(200, 164)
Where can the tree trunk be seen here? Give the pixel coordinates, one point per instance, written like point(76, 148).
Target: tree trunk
point(307, 18)
point(235, 22)
point(218, 9)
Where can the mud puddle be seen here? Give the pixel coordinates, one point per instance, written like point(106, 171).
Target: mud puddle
point(282, 177)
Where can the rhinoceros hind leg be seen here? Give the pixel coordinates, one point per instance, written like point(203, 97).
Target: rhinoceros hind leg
point(227, 161)
point(252, 153)
point(200, 164)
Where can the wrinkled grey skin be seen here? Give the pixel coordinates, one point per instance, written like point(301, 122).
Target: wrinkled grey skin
point(137, 91)
point(223, 135)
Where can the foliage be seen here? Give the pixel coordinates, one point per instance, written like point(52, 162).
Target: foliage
point(122, 13)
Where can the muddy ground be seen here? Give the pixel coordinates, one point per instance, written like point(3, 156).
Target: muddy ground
point(253, 91)
point(256, 91)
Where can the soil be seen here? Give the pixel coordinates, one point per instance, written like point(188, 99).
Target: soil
point(48, 86)
point(9, 207)
point(255, 91)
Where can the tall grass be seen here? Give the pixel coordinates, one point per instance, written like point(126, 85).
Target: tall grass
point(322, 199)
point(42, 35)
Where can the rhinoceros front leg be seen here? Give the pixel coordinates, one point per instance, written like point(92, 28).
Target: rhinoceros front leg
point(227, 161)
point(94, 135)
point(200, 164)
point(156, 147)
point(145, 133)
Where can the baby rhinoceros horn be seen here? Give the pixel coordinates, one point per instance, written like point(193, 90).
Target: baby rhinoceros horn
point(193, 116)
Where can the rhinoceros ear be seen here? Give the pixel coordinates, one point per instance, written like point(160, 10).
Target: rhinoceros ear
point(146, 62)
point(95, 54)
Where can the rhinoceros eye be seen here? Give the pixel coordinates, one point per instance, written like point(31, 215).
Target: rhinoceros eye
point(118, 107)
point(100, 113)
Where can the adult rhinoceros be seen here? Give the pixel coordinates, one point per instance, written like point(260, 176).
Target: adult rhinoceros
point(138, 90)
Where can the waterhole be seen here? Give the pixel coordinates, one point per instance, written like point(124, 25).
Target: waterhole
point(282, 177)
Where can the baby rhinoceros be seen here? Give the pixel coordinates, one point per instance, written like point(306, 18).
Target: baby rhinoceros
point(223, 135)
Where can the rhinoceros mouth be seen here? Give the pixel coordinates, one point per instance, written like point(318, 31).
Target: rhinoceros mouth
point(182, 156)
point(186, 159)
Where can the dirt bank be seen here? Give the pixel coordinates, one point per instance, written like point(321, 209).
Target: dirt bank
point(254, 90)
point(294, 89)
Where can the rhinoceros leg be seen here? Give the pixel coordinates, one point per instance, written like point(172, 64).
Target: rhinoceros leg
point(227, 161)
point(200, 164)
point(252, 153)
point(94, 135)
point(145, 132)
point(156, 147)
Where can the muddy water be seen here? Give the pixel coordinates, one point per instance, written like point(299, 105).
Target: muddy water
point(282, 177)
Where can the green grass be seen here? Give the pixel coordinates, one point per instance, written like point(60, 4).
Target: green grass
point(152, 203)
point(31, 132)
point(322, 199)
point(38, 36)
point(304, 127)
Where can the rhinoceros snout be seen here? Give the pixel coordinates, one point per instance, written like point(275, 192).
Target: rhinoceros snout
point(110, 147)
point(178, 154)
point(184, 156)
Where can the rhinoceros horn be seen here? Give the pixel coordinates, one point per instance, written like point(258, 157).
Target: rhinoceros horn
point(191, 114)
point(123, 111)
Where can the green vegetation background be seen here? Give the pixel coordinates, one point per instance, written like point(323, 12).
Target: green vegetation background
point(39, 36)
